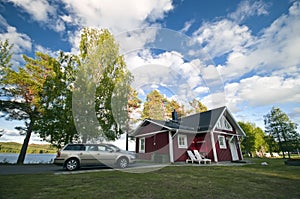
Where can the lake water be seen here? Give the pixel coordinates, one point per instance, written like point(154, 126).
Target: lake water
point(29, 158)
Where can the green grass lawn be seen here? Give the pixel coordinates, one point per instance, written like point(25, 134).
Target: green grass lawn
point(249, 181)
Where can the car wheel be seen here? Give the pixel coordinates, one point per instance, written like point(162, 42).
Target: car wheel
point(123, 162)
point(72, 164)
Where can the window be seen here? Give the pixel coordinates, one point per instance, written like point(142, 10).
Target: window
point(222, 142)
point(92, 148)
point(182, 141)
point(142, 145)
point(75, 147)
point(224, 124)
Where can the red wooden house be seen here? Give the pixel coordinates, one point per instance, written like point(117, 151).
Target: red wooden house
point(214, 133)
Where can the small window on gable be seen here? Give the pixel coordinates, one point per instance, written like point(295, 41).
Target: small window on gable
point(182, 141)
point(142, 145)
point(224, 124)
point(222, 142)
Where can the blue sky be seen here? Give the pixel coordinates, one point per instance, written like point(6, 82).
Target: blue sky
point(245, 54)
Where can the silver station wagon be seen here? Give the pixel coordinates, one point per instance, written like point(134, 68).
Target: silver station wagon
point(74, 156)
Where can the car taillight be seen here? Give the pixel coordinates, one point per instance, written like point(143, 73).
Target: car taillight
point(58, 154)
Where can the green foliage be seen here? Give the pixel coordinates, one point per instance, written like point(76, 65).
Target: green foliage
point(197, 106)
point(134, 102)
point(254, 140)
point(56, 123)
point(5, 56)
point(282, 129)
point(102, 82)
point(160, 108)
point(273, 146)
point(172, 105)
point(154, 107)
point(45, 92)
point(22, 91)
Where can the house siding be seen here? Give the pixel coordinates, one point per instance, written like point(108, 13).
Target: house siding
point(156, 134)
point(180, 153)
point(200, 142)
point(149, 128)
point(157, 144)
point(225, 154)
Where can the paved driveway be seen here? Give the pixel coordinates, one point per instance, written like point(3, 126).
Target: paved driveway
point(50, 168)
point(29, 169)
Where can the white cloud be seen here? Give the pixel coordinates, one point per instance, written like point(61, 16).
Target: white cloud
point(274, 50)
point(224, 36)
point(168, 69)
point(43, 12)
point(260, 91)
point(67, 18)
point(44, 50)
point(249, 8)
point(187, 26)
point(12, 135)
point(135, 40)
point(40, 10)
point(118, 16)
point(295, 116)
point(215, 100)
point(21, 42)
point(201, 89)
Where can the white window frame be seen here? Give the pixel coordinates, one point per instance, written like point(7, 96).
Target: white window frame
point(182, 138)
point(222, 142)
point(140, 145)
point(224, 124)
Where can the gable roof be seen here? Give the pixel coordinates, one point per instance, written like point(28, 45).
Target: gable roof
point(200, 122)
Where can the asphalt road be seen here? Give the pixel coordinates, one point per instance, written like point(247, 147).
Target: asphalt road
point(51, 168)
point(29, 169)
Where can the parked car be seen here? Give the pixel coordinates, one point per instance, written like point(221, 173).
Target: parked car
point(74, 156)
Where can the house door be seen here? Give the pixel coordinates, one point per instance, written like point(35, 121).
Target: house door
point(233, 149)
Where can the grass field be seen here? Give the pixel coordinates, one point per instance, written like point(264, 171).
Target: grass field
point(13, 147)
point(249, 181)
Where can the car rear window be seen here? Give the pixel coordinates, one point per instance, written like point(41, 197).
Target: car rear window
point(75, 148)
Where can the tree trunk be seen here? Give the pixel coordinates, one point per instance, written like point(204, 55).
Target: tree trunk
point(84, 138)
point(280, 145)
point(22, 154)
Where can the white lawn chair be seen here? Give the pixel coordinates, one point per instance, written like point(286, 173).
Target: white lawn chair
point(202, 158)
point(191, 158)
point(275, 155)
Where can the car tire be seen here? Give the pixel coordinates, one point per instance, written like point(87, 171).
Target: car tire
point(72, 164)
point(123, 162)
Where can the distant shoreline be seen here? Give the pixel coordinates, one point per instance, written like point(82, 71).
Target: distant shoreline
point(14, 147)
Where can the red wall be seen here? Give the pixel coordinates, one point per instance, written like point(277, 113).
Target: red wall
point(223, 154)
point(158, 144)
point(149, 128)
point(180, 154)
